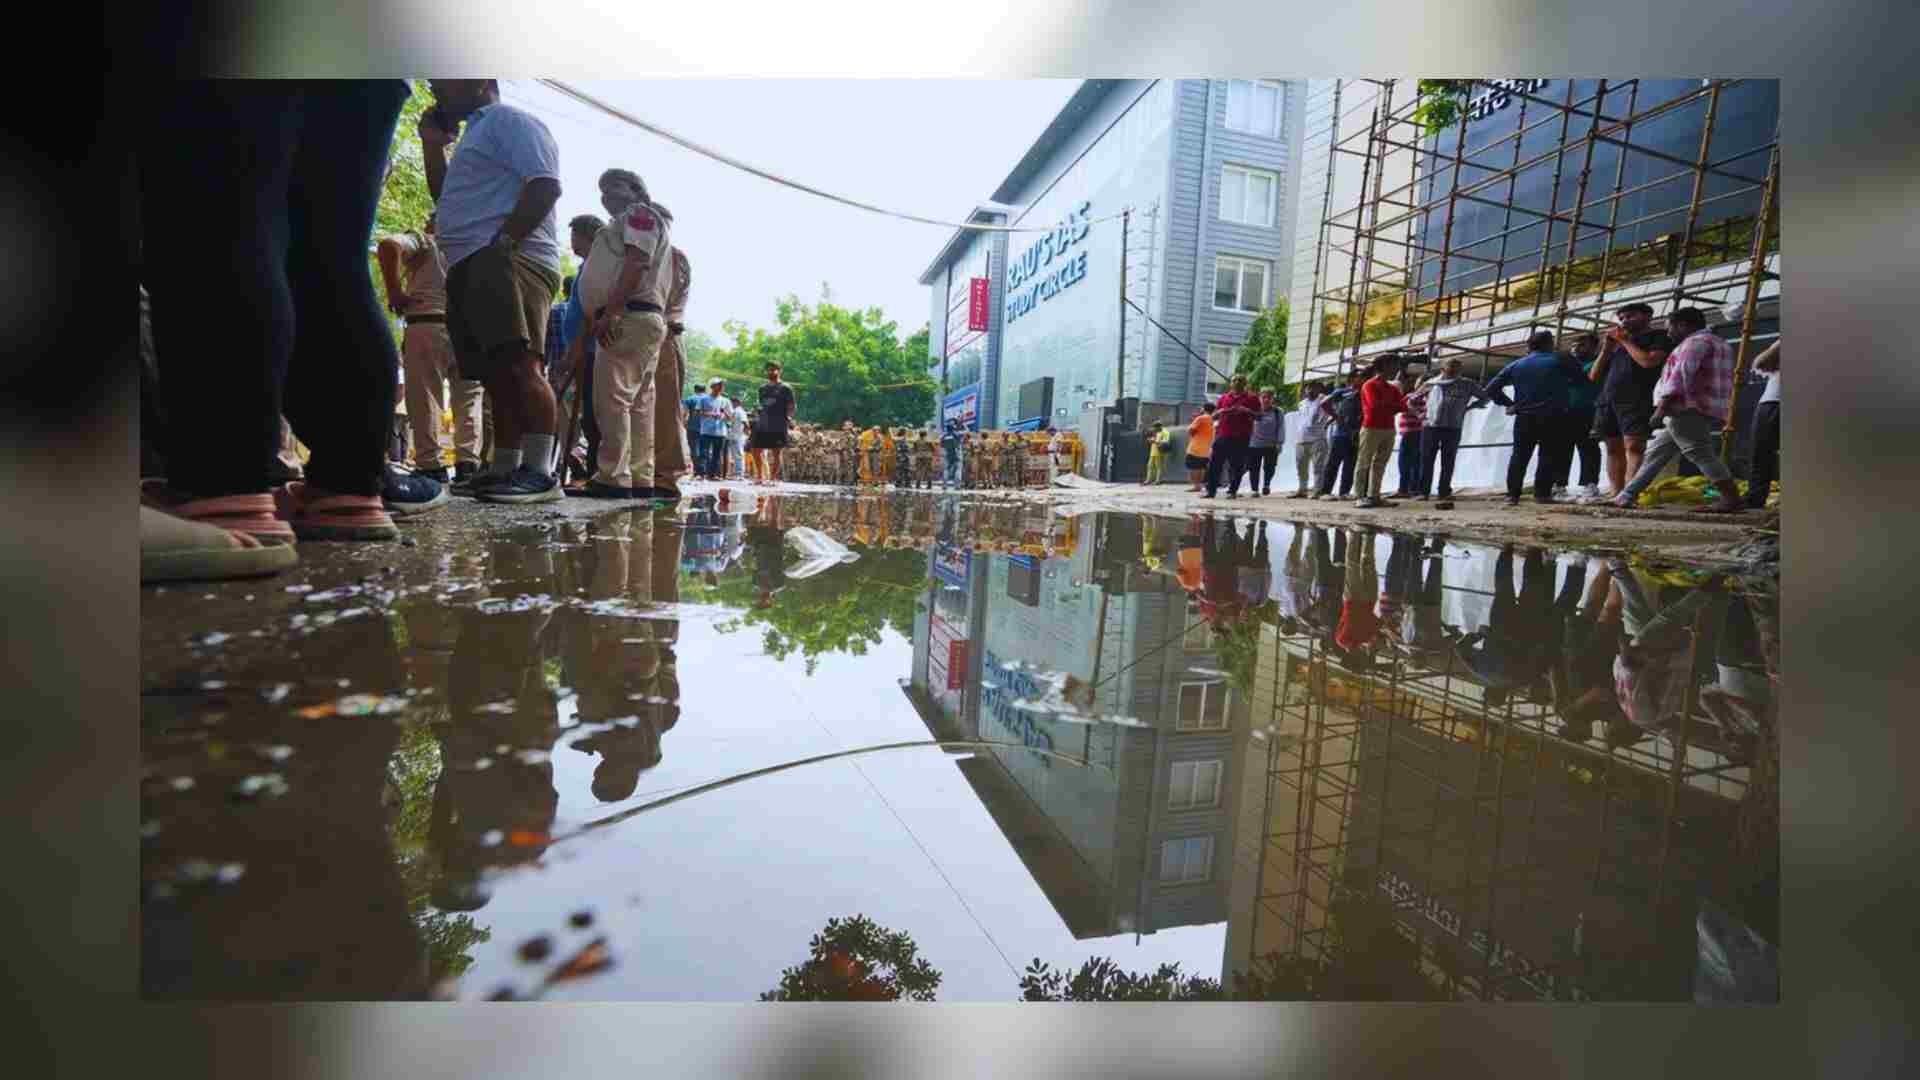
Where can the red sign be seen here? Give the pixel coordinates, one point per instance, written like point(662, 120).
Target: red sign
point(956, 664)
point(977, 304)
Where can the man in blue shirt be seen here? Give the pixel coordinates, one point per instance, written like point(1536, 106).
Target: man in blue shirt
point(1541, 382)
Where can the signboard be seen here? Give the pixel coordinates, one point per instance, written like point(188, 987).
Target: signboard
point(956, 664)
point(952, 565)
point(1034, 279)
point(962, 407)
point(977, 304)
point(1000, 700)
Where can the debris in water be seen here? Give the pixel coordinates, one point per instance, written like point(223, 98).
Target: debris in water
point(492, 838)
point(354, 705)
point(594, 958)
point(276, 693)
point(215, 638)
point(580, 920)
point(181, 783)
point(299, 588)
point(270, 785)
point(536, 949)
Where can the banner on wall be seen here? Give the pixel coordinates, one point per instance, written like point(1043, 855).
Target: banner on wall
point(977, 304)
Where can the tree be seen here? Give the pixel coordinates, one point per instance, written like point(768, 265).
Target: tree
point(842, 610)
point(1441, 103)
point(843, 364)
point(858, 960)
point(1286, 978)
point(1263, 359)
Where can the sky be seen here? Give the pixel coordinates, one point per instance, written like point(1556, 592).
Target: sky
point(930, 147)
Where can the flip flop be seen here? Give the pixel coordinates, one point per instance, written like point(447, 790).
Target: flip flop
point(318, 515)
point(255, 515)
point(178, 549)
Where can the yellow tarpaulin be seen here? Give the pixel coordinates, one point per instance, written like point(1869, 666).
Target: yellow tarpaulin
point(1694, 491)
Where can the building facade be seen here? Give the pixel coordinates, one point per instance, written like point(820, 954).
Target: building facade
point(1145, 201)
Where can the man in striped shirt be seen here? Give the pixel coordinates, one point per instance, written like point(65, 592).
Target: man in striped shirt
point(1691, 403)
point(1409, 423)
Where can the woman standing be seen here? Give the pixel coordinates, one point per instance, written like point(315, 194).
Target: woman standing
point(1199, 448)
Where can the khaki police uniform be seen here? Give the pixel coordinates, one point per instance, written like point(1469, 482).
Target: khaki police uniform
point(625, 394)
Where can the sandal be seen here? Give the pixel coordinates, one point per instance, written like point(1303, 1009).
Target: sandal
point(255, 515)
point(179, 549)
point(319, 515)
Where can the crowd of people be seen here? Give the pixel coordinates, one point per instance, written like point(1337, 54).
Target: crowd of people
point(1637, 397)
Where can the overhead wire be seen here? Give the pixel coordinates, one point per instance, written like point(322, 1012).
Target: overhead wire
point(705, 151)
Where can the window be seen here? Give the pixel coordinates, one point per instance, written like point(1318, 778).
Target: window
point(1221, 362)
point(1239, 284)
point(1199, 634)
point(1203, 707)
point(1196, 785)
point(1247, 196)
point(1253, 106)
point(1190, 859)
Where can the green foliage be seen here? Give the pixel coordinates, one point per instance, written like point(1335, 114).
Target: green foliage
point(843, 364)
point(841, 610)
point(858, 960)
point(1263, 359)
point(1100, 979)
point(1442, 101)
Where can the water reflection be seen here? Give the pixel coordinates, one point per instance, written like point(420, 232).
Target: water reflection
point(1298, 762)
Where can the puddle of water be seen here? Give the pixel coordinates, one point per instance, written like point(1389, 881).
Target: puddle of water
point(651, 756)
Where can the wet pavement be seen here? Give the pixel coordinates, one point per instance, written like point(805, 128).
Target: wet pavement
point(617, 753)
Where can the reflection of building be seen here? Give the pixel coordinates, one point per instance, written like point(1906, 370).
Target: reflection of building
point(1519, 865)
point(1136, 839)
point(1204, 166)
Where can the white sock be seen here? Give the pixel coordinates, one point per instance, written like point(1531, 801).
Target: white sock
point(536, 453)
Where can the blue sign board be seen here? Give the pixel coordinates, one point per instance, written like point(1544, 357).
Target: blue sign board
point(1032, 278)
point(953, 565)
point(962, 406)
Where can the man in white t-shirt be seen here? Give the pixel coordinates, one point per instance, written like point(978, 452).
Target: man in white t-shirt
point(737, 432)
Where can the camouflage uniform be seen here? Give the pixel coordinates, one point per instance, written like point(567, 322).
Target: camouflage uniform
point(923, 451)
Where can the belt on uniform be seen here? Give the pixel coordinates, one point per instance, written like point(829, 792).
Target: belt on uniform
point(422, 320)
point(633, 305)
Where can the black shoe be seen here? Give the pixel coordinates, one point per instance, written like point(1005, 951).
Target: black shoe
point(594, 489)
point(1546, 501)
point(525, 485)
point(407, 494)
point(1443, 504)
point(438, 476)
point(1513, 501)
point(1208, 495)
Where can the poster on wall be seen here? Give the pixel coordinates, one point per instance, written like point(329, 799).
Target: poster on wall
point(963, 407)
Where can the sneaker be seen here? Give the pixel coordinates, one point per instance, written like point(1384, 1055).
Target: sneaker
point(1420, 498)
point(407, 494)
point(478, 481)
point(1587, 492)
point(597, 490)
point(1208, 495)
point(523, 486)
point(438, 476)
point(1513, 501)
point(1364, 504)
point(1315, 496)
point(1230, 495)
point(1443, 504)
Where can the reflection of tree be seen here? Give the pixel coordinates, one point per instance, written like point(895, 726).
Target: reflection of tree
point(412, 773)
point(858, 960)
point(841, 610)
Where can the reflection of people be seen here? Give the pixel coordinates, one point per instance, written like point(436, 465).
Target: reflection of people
point(497, 695)
point(767, 539)
point(1582, 676)
point(1513, 652)
point(1359, 621)
point(1416, 600)
point(624, 669)
point(1649, 673)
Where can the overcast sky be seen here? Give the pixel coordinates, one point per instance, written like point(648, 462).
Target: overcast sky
point(927, 147)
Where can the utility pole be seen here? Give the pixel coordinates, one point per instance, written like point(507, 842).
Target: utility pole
point(1120, 375)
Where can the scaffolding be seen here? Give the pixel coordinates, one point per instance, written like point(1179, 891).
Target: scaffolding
point(1403, 295)
point(1464, 864)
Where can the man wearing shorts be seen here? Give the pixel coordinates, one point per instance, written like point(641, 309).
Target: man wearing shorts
point(502, 247)
point(1631, 358)
point(776, 416)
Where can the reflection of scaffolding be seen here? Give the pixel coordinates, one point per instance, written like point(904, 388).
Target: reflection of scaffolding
point(1414, 296)
point(1339, 742)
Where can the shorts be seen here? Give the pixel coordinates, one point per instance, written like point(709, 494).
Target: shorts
point(495, 301)
point(1195, 464)
point(769, 440)
point(1614, 419)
